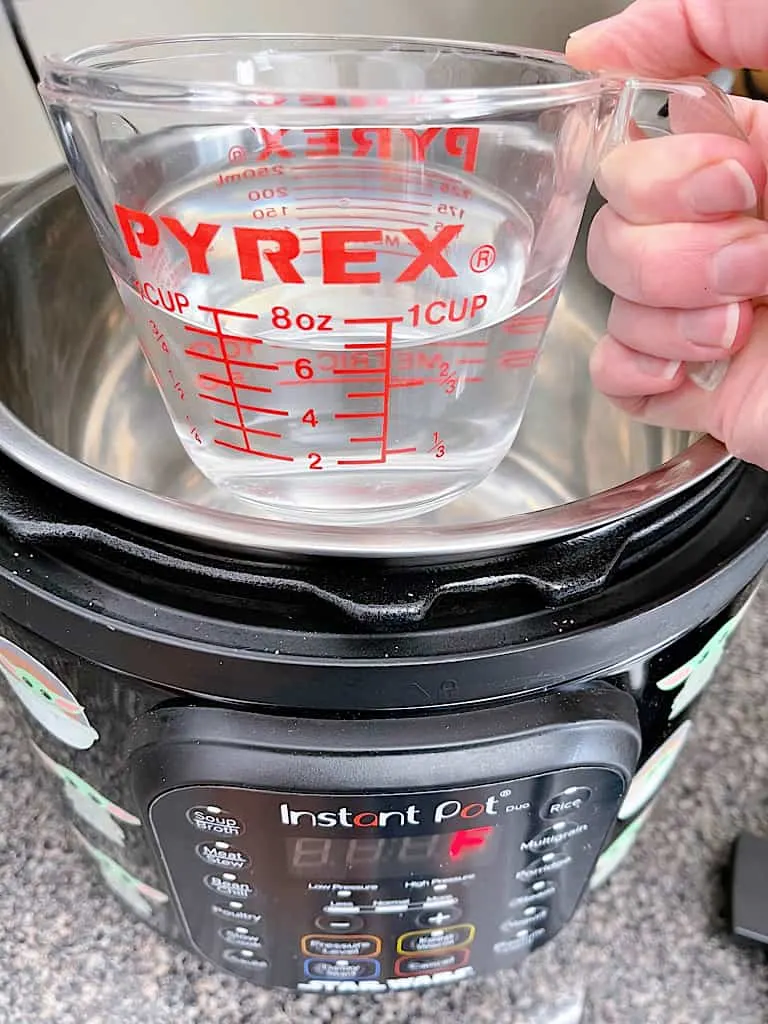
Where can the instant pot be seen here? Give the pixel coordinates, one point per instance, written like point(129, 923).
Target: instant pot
point(346, 760)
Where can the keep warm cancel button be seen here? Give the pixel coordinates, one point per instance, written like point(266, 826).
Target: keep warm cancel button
point(435, 940)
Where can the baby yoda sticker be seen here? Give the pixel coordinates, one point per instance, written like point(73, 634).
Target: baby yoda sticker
point(89, 804)
point(653, 773)
point(46, 698)
point(694, 676)
point(608, 861)
point(139, 896)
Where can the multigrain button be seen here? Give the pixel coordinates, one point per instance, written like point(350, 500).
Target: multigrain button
point(554, 836)
point(570, 800)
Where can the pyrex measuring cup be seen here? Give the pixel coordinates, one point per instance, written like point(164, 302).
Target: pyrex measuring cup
point(341, 254)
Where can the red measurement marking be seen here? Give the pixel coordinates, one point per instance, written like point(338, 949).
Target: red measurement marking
point(348, 186)
point(389, 320)
point(241, 387)
point(358, 415)
point(370, 206)
point(367, 372)
point(360, 462)
point(401, 451)
point(246, 408)
point(410, 383)
point(221, 311)
point(253, 451)
point(355, 216)
point(463, 344)
point(226, 361)
point(524, 325)
point(223, 334)
point(321, 380)
point(365, 394)
point(366, 440)
point(446, 380)
point(470, 362)
point(365, 344)
point(249, 430)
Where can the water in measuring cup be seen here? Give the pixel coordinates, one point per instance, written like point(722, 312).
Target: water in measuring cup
point(352, 345)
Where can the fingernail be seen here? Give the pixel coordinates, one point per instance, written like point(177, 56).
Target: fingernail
point(725, 187)
point(651, 366)
point(708, 376)
point(590, 31)
point(716, 327)
point(741, 269)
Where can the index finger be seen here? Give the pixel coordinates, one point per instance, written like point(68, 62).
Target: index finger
point(675, 38)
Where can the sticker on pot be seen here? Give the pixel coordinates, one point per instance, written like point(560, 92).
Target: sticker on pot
point(88, 803)
point(46, 698)
point(695, 675)
point(143, 899)
point(653, 773)
point(608, 861)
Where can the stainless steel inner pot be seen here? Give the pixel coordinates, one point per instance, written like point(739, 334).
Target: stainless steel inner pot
point(78, 408)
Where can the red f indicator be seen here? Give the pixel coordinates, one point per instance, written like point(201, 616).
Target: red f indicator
point(469, 839)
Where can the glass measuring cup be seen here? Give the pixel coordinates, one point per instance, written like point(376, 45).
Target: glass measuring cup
point(341, 254)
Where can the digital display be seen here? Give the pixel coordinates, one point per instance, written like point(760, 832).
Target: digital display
point(362, 858)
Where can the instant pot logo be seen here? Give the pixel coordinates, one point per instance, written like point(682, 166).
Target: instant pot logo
point(343, 817)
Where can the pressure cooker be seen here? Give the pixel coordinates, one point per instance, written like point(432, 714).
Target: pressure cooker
point(339, 759)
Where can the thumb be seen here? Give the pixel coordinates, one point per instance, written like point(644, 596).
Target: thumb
point(675, 38)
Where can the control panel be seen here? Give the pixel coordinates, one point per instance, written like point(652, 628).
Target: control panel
point(383, 891)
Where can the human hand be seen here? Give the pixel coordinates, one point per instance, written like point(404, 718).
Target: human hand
point(677, 241)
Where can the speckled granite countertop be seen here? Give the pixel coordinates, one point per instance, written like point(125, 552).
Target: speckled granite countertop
point(651, 946)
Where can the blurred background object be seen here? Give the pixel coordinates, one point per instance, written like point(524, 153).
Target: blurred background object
point(66, 25)
point(753, 83)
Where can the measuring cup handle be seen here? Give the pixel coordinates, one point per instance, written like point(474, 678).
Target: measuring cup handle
point(647, 109)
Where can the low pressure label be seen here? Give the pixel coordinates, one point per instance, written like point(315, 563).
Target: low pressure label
point(88, 804)
point(46, 698)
